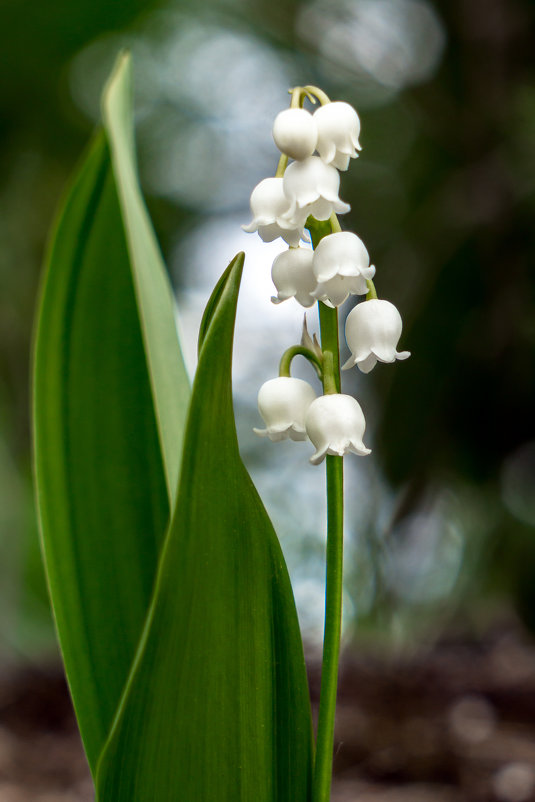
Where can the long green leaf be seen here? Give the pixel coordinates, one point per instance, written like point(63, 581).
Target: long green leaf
point(101, 481)
point(169, 382)
point(216, 709)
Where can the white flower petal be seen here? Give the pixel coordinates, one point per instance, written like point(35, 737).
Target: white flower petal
point(321, 209)
point(340, 207)
point(366, 363)
point(359, 448)
point(298, 434)
point(337, 289)
point(319, 456)
point(384, 352)
point(267, 233)
point(340, 160)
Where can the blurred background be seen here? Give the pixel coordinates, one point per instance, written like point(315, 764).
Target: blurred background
point(440, 532)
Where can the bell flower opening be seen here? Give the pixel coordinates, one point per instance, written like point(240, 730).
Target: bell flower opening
point(373, 329)
point(335, 424)
point(337, 290)
point(283, 403)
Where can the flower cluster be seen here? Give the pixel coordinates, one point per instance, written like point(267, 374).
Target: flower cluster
point(303, 192)
point(309, 186)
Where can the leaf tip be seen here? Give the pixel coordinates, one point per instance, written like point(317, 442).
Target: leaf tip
point(120, 76)
point(231, 276)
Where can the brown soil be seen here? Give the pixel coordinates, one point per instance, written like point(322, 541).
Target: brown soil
point(456, 724)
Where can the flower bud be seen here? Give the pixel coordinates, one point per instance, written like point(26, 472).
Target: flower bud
point(283, 403)
point(268, 207)
point(335, 424)
point(373, 329)
point(293, 276)
point(338, 128)
point(295, 133)
point(311, 187)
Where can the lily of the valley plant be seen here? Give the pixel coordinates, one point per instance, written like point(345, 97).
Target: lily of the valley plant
point(298, 199)
point(173, 605)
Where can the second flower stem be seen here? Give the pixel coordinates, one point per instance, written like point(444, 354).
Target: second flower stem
point(333, 586)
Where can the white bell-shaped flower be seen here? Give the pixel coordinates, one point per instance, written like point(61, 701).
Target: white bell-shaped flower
point(335, 424)
point(283, 404)
point(268, 207)
point(311, 187)
point(342, 254)
point(373, 329)
point(293, 276)
point(295, 133)
point(338, 128)
point(341, 265)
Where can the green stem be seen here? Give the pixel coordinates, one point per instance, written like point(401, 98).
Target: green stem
point(372, 292)
point(299, 350)
point(315, 91)
point(296, 101)
point(335, 223)
point(329, 338)
point(282, 165)
point(329, 378)
point(333, 586)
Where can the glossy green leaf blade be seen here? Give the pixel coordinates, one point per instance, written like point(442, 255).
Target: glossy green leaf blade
point(101, 490)
point(168, 377)
point(217, 708)
point(110, 397)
